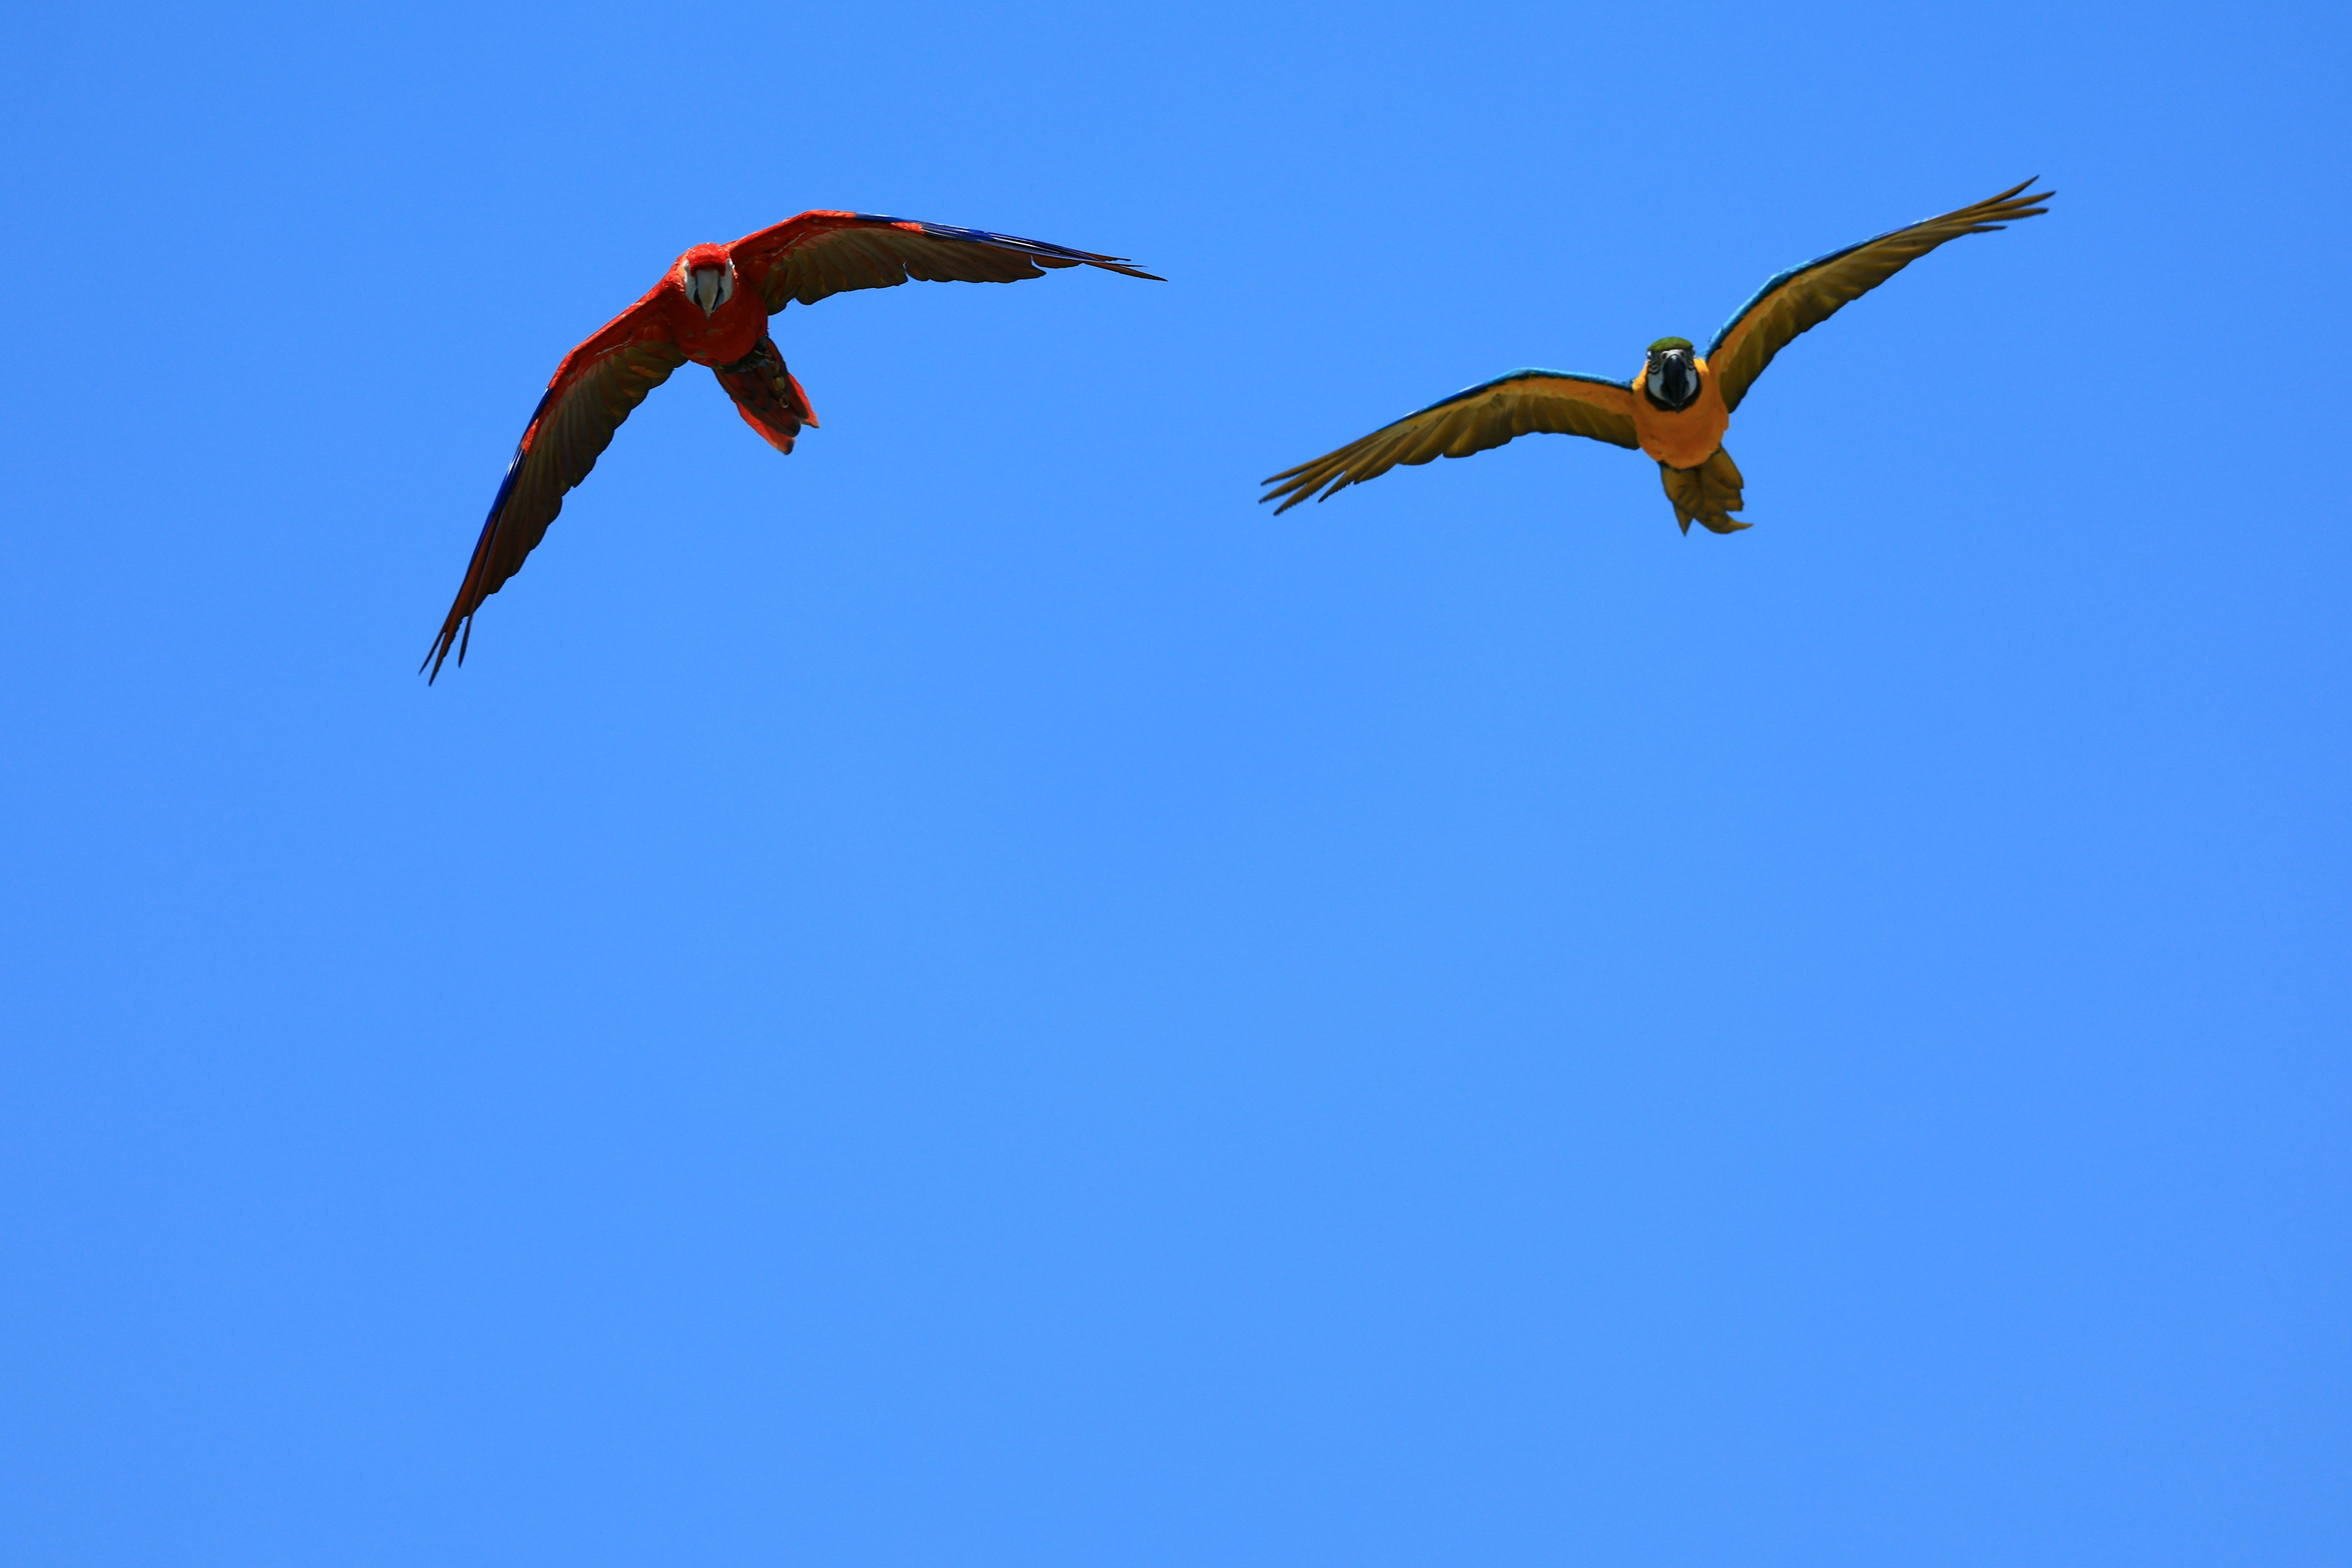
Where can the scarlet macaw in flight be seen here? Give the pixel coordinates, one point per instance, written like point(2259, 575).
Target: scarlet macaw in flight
point(713, 307)
point(1677, 409)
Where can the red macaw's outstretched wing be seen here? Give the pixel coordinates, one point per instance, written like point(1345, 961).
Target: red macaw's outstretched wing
point(1519, 404)
point(599, 384)
point(821, 253)
point(1804, 297)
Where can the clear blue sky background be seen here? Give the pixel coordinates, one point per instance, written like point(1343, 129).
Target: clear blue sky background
point(968, 996)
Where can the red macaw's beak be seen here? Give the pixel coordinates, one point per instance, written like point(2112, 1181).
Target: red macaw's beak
point(710, 287)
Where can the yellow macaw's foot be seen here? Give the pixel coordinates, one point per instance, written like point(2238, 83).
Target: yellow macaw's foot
point(1708, 494)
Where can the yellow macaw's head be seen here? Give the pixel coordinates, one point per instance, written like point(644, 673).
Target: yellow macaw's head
point(1670, 377)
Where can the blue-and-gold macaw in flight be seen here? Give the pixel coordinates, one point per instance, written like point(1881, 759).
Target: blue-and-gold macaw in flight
point(1677, 409)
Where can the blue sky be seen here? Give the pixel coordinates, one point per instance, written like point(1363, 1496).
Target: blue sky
point(969, 996)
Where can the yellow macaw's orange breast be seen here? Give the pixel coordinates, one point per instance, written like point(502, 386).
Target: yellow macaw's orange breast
point(1685, 438)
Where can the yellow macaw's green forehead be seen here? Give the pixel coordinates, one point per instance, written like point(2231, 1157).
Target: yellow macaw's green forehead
point(1664, 345)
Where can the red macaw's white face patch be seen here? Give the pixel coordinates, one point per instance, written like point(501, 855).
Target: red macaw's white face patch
point(711, 284)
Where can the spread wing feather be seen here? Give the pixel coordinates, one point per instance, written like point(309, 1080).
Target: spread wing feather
point(1804, 297)
point(1523, 403)
point(599, 384)
point(821, 253)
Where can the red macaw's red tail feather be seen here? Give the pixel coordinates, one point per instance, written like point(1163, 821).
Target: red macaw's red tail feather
point(766, 394)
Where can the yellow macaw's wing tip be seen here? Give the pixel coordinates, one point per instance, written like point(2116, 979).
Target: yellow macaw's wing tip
point(1524, 402)
point(1803, 297)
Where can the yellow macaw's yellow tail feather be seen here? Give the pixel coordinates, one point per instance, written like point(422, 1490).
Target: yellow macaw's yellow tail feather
point(1708, 494)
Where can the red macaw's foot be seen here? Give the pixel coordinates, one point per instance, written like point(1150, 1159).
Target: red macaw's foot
point(766, 395)
point(1708, 494)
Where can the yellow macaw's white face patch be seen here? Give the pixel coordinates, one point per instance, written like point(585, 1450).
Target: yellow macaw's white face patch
point(1671, 379)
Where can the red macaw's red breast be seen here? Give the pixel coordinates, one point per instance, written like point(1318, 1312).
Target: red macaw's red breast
point(729, 332)
point(1687, 438)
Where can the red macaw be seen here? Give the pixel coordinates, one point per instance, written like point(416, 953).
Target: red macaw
point(713, 307)
point(1678, 408)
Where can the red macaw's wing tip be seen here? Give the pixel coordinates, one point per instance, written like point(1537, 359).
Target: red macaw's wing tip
point(806, 258)
point(439, 652)
point(601, 383)
point(1043, 252)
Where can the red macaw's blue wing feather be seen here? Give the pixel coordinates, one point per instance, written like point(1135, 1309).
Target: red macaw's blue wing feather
point(598, 385)
point(1523, 403)
point(1804, 297)
point(821, 253)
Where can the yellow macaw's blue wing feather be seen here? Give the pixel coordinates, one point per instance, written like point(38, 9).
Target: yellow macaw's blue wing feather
point(1804, 297)
point(1520, 403)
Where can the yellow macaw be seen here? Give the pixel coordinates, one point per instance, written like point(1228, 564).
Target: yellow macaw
point(1676, 410)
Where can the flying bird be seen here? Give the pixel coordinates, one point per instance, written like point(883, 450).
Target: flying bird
point(712, 308)
point(1678, 408)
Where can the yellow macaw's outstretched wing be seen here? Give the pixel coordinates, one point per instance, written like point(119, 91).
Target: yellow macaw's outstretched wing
point(1519, 404)
point(1804, 297)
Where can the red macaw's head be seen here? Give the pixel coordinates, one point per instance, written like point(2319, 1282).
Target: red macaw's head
point(707, 276)
point(1670, 375)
